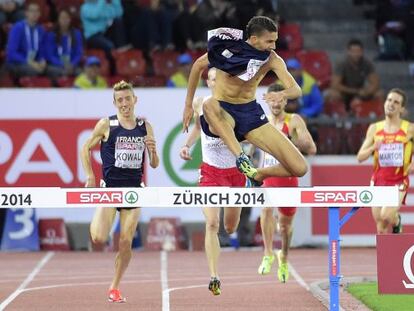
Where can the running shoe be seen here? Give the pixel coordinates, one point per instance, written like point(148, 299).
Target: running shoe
point(266, 265)
point(214, 286)
point(115, 296)
point(283, 269)
point(245, 166)
point(397, 228)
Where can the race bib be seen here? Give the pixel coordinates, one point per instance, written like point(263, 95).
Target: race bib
point(269, 160)
point(129, 154)
point(391, 155)
point(253, 67)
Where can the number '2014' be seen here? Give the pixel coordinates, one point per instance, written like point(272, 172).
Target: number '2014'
point(249, 198)
point(15, 199)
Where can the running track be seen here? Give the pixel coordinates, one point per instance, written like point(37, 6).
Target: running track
point(169, 281)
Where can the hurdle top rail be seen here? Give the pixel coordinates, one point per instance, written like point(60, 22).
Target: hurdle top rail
point(54, 197)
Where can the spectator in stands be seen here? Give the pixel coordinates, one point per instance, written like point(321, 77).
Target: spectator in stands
point(11, 11)
point(180, 78)
point(311, 102)
point(25, 46)
point(207, 15)
point(103, 27)
point(90, 78)
point(160, 30)
point(150, 27)
point(354, 77)
point(63, 48)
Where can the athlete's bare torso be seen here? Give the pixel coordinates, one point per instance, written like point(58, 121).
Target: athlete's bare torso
point(233, 90)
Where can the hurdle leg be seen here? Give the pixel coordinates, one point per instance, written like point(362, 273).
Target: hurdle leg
point(334, 258)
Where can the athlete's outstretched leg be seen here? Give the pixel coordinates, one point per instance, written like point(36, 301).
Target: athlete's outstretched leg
point(101, 224)
point(221, 124)
point(272, 141)
point(129, 221)
point(267, 224)
point(212, 246)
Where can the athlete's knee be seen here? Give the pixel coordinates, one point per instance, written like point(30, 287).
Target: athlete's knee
point(212, 225)
point(284, 229)
point(387, 219)
point(300, 169)
point(97, 238)
point(211, 107)
point(124, 244)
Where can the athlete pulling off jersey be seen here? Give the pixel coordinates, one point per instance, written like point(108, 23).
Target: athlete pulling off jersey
point(232, 112)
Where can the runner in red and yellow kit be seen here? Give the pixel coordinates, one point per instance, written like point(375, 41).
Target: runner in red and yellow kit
point(293, 126)
point(390, 142)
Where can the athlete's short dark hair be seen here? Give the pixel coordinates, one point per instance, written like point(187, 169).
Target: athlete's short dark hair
point(401, 93)
point(258, 24)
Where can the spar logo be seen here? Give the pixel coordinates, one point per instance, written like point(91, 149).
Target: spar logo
point(183, 173)
point(328, 197)
point(365, 196)
point(131, 197)
point(94, 197)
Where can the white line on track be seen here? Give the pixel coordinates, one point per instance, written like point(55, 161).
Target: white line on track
point(227, 284)
point(298, 278)
point(28, 279)
point(164, 281)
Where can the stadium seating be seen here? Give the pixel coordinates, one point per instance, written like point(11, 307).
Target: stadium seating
point(335, 109)
point(165, 63)
point(317, 63)
point(367, 108)
point(130, 63)
point(65, 82)
point(149, 81)
point(35, 82)
point(6, 81)
point(286, 54)
point(293, 36)
point(329, 140)
point(354, 137)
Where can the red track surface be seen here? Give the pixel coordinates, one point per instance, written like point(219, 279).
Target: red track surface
point(79, 281)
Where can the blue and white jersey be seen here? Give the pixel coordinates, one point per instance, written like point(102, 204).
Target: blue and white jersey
point(228, 52)
point(123, 154)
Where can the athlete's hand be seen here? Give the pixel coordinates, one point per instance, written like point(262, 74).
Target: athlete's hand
point(90, 182)
point(185, 153)
point(187, 117)
point(150, 143)
point(274, 97)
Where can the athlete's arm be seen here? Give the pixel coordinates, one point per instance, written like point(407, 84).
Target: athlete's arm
point(99, 133)
point(195, 132)
point(368, 147)
point(292, 89)
point(303, 139)
point(196, 70)
point(151, 146)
